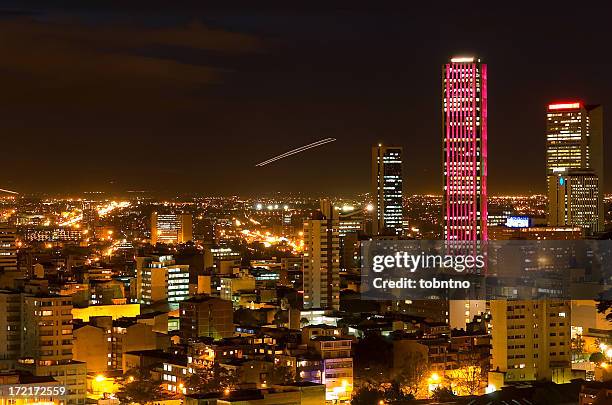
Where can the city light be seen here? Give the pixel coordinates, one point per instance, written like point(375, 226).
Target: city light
point(463, 59)
point(145, 260)
point(268, 239)
point(110, 207)
point(564, 106)
point(433, 382)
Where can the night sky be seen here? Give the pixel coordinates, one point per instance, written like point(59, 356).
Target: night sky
point(177, 98)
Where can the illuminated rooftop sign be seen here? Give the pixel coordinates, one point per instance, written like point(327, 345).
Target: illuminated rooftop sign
point(564, 106)
point(463, 59)
point(517, 222)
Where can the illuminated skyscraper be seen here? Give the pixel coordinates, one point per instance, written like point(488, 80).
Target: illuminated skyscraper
point(465, 149)
point(10, 324)
point(322, 260)
point(90, 215)
point(171, 228)
point(8, 256)
point(8, 248)
point(387, 189)
point(573, 200)
point(574, 143)
point(159, 278)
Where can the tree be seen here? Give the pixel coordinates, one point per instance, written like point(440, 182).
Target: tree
point(597, 357)
point(140, 391)
point(413, 375)
point(470, 376)
point(443, 394)
point(214, 378)
point(577, 348)
point(604, 304)
point(246, 317)
point(373, 359)
point(281, 318)
point(468, 380)
point(281, 375)
point(367, 396)
point(603, 307)
point(395, 392)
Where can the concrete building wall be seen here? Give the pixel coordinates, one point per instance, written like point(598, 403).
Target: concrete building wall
point(91, 346)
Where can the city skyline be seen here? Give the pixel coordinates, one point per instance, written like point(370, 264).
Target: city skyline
point(215, 111)
point(305, 204)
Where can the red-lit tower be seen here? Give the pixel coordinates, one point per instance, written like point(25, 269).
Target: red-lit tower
point(465, 149)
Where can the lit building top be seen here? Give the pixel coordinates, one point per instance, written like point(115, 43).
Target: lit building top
point(465, 149)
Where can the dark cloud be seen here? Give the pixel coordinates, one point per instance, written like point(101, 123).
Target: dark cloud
point(182, 96)
point(85, 103)
point(87, 65)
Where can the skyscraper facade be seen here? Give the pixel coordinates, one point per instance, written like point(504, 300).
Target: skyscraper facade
point(531, 340)
point(322, 261)
point(574, 143)
point(171, 228)
point(465, 149)
point(8, 248)
point(206, 316)
point(387, 189)
point(159, 278)
point(9, 271)
point(47, 342)
point(10, 325)
point(573, 200)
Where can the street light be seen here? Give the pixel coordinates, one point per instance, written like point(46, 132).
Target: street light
point(434, 381)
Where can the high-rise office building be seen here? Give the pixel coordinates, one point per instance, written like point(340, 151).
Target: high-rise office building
point(574, 141)
point(90, 215)
point(159, 278)
point(171, 228)
point(531, 340)
point(465, 149)
point(46, 341)
point(206, 316)
point(10, 326)
point(47, 332)
point(322, 260)
point(573, 200)
point(8, 256)
point(387, 189)
point(8, 248)
point(352, 223)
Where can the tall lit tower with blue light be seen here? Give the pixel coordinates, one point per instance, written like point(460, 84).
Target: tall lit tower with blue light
point(574, 165)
